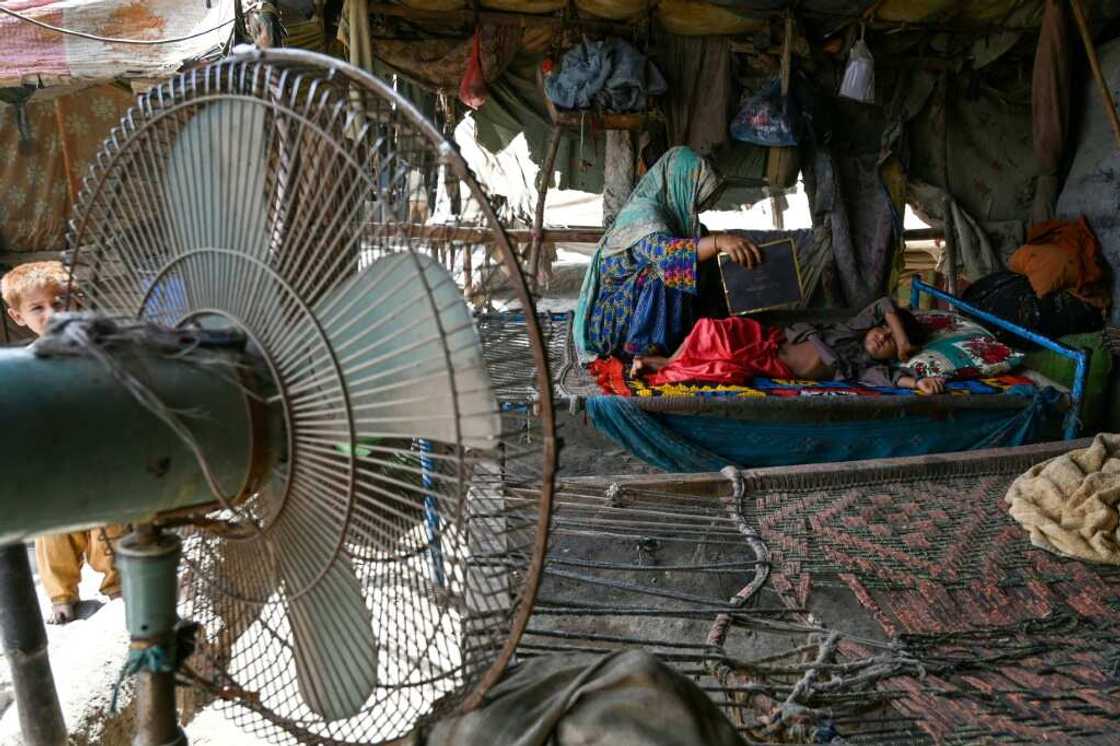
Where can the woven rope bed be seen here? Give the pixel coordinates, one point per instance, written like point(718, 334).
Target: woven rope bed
point(575, 384)
point(888, 601)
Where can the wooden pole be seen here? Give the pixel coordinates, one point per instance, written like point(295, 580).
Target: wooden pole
point(67, 161)
point(544, 181)
point(1095, 65)
point(947, 206)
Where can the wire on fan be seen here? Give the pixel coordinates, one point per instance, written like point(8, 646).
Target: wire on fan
point(109, 39)
point(74, 331)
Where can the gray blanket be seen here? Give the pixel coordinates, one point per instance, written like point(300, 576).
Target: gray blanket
point(627, 698)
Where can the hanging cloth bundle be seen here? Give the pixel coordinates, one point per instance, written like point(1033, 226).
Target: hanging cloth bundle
point(859, 75)
point(472, 90)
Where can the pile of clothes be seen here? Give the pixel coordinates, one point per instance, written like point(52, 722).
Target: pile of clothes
point(610, 75)
point(1057, 283)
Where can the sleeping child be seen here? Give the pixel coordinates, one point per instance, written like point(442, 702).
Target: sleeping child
point(860, 349)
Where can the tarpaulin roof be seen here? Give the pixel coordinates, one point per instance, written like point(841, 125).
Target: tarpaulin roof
point(36, 55)
point(703, 17)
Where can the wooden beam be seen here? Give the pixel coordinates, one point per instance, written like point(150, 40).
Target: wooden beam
point(29, 256)
point(468, 17)
point(922, 234)
point(480, 234)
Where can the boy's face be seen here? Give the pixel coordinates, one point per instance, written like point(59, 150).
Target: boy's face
point(36, 308)
point(879, 343)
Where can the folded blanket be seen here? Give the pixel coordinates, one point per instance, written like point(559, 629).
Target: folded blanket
point(1069, 503)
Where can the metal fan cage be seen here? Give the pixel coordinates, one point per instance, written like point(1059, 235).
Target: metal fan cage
point(445, 537)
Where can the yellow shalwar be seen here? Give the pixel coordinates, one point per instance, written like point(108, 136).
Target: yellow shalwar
point(60, 558)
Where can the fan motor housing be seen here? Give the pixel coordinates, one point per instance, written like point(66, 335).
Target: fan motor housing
point(82, 451)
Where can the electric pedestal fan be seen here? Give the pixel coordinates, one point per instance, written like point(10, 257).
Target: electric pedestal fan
point(275, 377)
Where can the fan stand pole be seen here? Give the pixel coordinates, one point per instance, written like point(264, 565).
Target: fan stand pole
point(25, 646)
point(148, 562)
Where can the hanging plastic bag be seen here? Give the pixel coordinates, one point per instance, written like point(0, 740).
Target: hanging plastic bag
point(767, 118)
point(859, 75)
point(472, 89)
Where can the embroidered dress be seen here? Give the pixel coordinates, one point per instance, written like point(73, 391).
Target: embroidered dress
point(639, 290)
point(646, 294)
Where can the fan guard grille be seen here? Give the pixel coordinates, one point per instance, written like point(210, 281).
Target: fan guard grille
point(254, 193)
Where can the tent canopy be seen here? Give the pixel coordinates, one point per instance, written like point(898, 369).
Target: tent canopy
point(42, 57)
point(728, 17)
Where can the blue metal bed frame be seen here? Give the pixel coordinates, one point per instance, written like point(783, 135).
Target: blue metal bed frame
point(1072, 425)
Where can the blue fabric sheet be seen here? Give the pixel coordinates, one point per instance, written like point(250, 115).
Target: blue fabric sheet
point(701, 443)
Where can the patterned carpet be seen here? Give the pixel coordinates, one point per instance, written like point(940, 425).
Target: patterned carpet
point(1017, 645)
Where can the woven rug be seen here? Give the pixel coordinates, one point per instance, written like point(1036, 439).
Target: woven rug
point(1016, 644)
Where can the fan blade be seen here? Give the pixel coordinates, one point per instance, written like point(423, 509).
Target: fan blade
point(335, 649)
point(390, 340)
point(214, 190)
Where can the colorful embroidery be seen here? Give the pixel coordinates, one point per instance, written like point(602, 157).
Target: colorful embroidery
point(961, 349)
point(613, 379)
point(633, 276)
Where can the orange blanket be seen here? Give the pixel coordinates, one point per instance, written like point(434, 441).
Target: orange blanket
point(1063, 255)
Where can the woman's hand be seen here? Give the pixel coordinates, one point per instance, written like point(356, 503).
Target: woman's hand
point(741, 250)
point(934, 385)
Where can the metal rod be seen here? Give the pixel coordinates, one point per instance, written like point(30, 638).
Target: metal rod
point(431, 514)
point(1095, 66)
point(24, 640)
point(1072, 424)
point(148, 561)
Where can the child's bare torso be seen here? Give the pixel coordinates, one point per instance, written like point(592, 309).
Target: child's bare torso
point(804, 360)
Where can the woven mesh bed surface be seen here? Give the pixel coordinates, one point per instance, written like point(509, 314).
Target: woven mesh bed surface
point(954, 628)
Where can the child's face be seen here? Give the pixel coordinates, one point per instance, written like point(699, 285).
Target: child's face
point(36, 308)
point(879, 343)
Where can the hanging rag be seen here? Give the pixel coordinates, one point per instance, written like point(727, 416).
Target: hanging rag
point(975, 256)
point(1069, 504)
point(1050, 106)
point(699, 100)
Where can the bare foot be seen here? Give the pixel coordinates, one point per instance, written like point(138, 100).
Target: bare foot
point(647, 364)
point(63, 613)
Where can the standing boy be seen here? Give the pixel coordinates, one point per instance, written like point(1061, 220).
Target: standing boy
point(33, 293)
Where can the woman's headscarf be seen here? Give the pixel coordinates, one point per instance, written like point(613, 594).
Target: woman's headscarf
point(668, 199)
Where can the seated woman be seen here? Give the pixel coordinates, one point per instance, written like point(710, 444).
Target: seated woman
point(731, 351)
point(639, 294)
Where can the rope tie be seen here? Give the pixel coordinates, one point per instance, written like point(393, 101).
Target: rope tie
point(152, 658)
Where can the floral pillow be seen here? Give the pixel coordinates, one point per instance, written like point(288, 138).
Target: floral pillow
point(960, 348)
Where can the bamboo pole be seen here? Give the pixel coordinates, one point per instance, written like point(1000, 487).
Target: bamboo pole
point(1095, 65)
